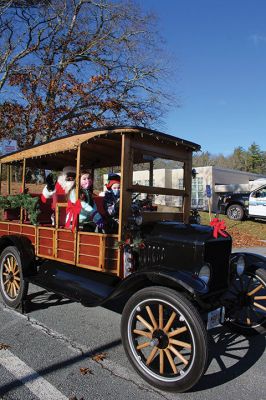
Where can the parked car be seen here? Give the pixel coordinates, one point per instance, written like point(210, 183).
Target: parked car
point(175, 280)
point(238, 206)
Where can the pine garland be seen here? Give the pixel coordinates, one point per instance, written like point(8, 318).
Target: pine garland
point(28, 203)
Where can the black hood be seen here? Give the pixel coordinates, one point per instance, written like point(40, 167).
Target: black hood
point(183, 245)
point(178, 232)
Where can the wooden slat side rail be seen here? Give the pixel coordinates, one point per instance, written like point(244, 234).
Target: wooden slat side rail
point(57, 211)
point(157, 190)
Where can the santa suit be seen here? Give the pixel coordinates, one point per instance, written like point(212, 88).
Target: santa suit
point(62, 188)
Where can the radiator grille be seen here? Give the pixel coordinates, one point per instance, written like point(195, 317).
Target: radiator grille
point(217, 253)
point(152, 254)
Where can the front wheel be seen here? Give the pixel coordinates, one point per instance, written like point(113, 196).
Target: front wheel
point(246, 310)
point(13, 288)
point(164, 338)
point(235, 212)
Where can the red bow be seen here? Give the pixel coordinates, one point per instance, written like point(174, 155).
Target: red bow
point(218, 228)
point(73, 210)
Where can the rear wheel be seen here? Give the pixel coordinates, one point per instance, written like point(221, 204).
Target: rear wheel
point(164, 338)
point(13, 288)
point(246, 311)
point(235, 212)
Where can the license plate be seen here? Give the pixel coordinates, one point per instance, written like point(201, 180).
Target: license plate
point(215, 318)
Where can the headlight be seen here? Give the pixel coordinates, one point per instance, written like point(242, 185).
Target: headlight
point(205, 273)
point(138, 220)
point(240, 265)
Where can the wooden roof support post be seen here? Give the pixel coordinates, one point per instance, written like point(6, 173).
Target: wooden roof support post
point(8, 178)
point(23, 187)
point(1, 169)
point(78, 172)
point(187, 185)
point(77, 197)
point(126, 182)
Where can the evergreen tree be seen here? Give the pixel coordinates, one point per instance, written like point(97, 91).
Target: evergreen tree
point(255, 159)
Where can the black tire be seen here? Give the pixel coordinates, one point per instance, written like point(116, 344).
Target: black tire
point(235, 212)
point(13, 287)
point(246, 310)
point(156, 323)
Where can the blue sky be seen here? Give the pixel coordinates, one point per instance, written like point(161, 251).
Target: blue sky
point(219, 47)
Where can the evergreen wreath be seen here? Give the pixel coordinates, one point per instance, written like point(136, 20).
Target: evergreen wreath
point(26, 201)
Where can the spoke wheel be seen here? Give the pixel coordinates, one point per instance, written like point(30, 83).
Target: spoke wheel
point(164, 338)
point(246, 311)
point(12, 285)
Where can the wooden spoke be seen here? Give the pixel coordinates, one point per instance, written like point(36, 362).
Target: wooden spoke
point(16, 284)
point(179, 343)
point(171, 361)
point(11, 289)
point(15, 290)
point(12, 263)
point(9, 264)
point(260, 306)
point(6, 282)
point(16, 272)
point(160, 316)
point(255, 290)
point(179, 355)
point(8, 287)
point(7, 267)
point(149, 311)
point(5, 273)
point(260, 298)
point(145, 323)
point(143, 345)
point(151, 356)
point(16, 278)
point(142, 333)
point(161, 361)
point(170, 321)
point(177, 331)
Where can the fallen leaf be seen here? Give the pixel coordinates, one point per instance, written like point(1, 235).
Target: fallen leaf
point(85, 371)
point(99, 357)
point(75, 398)
point(4, 346)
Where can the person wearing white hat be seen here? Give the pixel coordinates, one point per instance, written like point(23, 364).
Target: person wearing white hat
point(65, 182)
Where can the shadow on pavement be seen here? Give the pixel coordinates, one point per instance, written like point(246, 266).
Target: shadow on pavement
point(42, 299)
point(230, 355)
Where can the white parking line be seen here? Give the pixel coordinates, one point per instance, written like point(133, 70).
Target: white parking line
point(30, 378)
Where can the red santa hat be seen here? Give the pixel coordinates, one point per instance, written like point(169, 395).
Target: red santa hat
point(112, 179)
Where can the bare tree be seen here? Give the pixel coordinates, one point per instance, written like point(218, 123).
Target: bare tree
point(74, 64)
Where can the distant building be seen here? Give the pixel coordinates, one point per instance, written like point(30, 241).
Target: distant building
point(219, 180)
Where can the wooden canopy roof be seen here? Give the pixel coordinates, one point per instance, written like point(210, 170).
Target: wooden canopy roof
point(105, 140)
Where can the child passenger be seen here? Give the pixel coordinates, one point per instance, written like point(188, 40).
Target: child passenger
point(89, 218)
point(111, 202)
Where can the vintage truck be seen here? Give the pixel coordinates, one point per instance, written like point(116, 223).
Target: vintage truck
point(238, 206)
point(175, 280)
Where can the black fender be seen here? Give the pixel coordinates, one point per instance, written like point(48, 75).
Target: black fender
point(26, 251)
point(253, 260)
point(177, 280)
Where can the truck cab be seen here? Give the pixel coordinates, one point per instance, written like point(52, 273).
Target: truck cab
point(238, 206)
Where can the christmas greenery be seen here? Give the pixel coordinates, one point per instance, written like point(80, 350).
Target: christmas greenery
point(26, 201)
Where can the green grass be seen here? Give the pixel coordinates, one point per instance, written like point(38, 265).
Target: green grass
point(257, 228)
